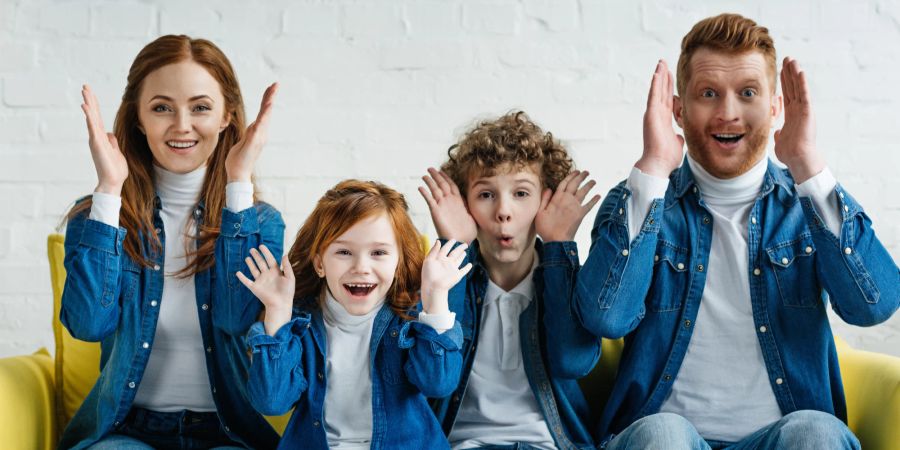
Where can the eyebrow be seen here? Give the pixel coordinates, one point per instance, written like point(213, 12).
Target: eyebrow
point(194, 98)
point(376, 244)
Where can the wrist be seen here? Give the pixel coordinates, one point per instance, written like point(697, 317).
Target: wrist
point(654, 166)
point(805, 169)
point(275, 318)
point(109, 188)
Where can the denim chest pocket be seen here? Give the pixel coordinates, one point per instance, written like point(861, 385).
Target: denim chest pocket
point(794, 267)
point(391, 357)
point(131, 277)
point(670, 277)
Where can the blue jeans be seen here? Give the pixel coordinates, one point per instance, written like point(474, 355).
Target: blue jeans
point(145, 429)
point(799, 430)
point(516, 446)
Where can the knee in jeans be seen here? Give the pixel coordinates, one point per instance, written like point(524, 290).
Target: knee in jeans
point(665, 428)
point(818, 429)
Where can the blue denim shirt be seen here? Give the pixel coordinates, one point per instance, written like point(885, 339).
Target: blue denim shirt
point(649, 291)
point(408, 361)
point(556, 350)
point(110, 298)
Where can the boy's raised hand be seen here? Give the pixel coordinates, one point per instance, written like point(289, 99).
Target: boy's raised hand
point(448, 209)
point(109, 161)
point(440, 272)
point(242, 156)
point(272, 285)
point(795, 142)
point(562, 211)
point(663, 148)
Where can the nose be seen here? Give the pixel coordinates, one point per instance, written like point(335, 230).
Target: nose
point(504, 210)
point(361, 264)
point(182, 122)
point(728, 109)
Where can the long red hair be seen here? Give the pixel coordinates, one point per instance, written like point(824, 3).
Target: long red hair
point(138, 192)
point(347, 203)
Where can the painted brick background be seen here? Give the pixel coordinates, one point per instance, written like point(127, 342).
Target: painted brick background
point(380, 89)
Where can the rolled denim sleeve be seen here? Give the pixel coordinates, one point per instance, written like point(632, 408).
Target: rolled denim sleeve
point(611, 286)
point(276, 377)
point(236, 308)
point(90, 301)
point(572, 351)
point(861, 278)
point(435, 362)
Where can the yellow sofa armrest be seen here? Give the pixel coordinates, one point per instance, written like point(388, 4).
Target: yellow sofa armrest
point(27, 417)
point(872, 388)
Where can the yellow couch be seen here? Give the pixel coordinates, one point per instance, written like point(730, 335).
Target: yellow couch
point(39, 393)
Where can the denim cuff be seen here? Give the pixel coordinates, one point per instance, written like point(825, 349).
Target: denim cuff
point(257, 339)
point(243, 223)
point(103, 237)
point(448, 340)
point(560, 253)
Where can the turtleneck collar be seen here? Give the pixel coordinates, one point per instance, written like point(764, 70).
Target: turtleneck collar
point(178, 188)
point(738, 189)
point(335, 314)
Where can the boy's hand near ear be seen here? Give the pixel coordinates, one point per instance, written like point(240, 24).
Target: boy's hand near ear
point(795, 142)
point(662, 146)
point(242, 157)
point(272, 285)
point(448, 209)
point(561, 212)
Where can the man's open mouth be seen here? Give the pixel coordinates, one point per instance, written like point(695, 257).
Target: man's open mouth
point(359, 289)
point(728, 138)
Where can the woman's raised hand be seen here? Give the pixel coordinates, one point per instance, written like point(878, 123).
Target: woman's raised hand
point(109, 161)
point(242, 157)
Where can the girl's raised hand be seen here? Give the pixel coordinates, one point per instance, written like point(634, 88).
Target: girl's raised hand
point(109, 161)
point(440, 272)
point(272, 285)
point(448, 210)
point(242, 157)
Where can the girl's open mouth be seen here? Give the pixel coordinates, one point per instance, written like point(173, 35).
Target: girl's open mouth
point(359, 289)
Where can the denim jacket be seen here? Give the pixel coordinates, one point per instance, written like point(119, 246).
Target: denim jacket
point(649, 291)
point(109, 298)
point(556, 350)
point(408, 361)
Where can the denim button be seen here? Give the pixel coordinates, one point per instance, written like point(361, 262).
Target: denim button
point(204, 307)
point(572, 252)
point(208, 349)
point(656, 257)
point(779, 381)
point(478, 300)
point(762, 329)
point(848, 250)
point(687, 323)
point(131, 384)
point(808, 250)
point(667, 377)
point(394, 333)
point(621, 211)
point(784, 261)
point(154, 303)
point(145, 345)
point(699, 267)
point(320, 376)
point(705, 219)
point(846, 208)
point(156, 267)
point(237, 226)
point(625, 252)
point(753, 219)
point(316, 423)
point(756, 271)
point(680, 266)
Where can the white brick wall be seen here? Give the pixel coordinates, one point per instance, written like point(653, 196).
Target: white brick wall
point(380, 88)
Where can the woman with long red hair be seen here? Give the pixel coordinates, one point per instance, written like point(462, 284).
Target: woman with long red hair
point(150, 256)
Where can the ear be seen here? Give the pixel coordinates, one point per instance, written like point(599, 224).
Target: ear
point(777, 107)
point(226, 120)
point(678, 111)
point(318, 266)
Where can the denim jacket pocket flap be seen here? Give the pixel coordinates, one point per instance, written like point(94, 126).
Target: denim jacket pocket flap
point(794, 270)
point(130, 266)
point(677, 257)
point(784, 253)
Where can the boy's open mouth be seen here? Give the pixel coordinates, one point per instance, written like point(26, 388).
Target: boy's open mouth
point(728, 138)
point(359, 289)
point(505, 241)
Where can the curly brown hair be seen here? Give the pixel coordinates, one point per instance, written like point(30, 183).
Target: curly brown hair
point(511, 139)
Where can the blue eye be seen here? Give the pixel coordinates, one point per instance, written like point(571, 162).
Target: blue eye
point(708, 93)
point(748, 93)
point(161, 108)
point(202, 108)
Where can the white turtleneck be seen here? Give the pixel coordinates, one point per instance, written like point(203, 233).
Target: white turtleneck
point(724, 351)
point(348, 396)
point(175, 377)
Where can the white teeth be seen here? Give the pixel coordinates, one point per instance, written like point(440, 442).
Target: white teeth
point(181, 144)
point(727, 136)
point(360, 285)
